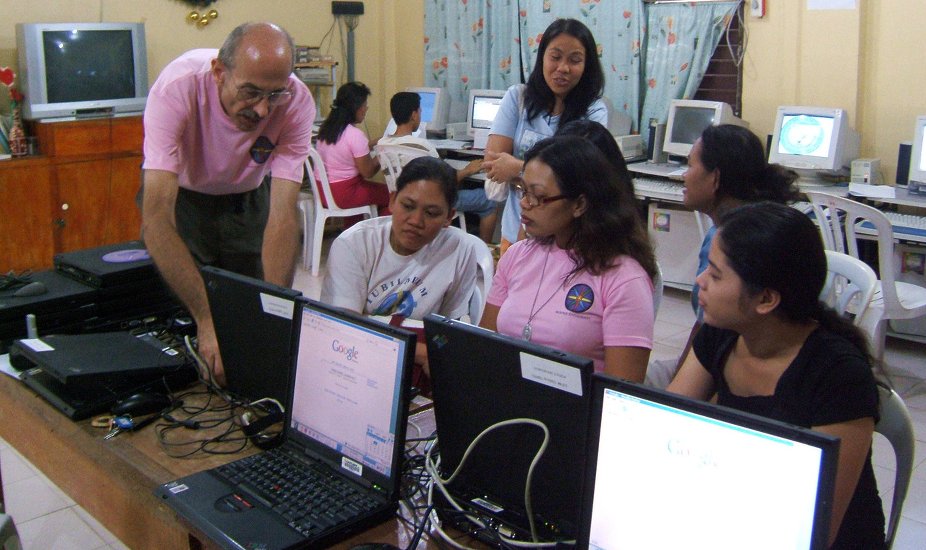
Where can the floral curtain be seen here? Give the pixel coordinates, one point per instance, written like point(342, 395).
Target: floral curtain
point(680, 40)
point(472, 44)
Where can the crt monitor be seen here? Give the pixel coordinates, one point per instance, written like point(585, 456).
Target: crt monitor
point(435, 108)
point(687, 120)
point(813, 139)
point(481, 109)
point(918, 154)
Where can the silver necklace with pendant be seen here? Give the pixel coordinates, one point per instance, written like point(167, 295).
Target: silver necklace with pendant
point(528, 331)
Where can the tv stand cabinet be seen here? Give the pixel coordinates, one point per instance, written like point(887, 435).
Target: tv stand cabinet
point(78, 193)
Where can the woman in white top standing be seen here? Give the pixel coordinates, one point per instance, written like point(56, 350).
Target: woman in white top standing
point(565, 84)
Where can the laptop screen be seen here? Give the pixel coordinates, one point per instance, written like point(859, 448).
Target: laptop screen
point(348, 388)
point(668, 475)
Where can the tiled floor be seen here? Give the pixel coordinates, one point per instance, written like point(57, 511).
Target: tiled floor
point(48, 520)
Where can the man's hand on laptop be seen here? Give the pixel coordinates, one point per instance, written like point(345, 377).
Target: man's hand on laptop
point(208, 347)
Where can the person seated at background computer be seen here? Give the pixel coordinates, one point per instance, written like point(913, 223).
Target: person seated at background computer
point(217, 123)
point(583, 281)
point(406, 111)
point(412, 263)
point(345, 150)
point(565, 84)
point(769, 347)
point(727, 167)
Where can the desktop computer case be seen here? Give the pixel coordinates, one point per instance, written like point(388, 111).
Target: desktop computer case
point(676, 237)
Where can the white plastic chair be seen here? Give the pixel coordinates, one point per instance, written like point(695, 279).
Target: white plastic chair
point(394, 156)
point(838, 219)
point(307, 208)
point(896, 426)
point(484, 273)
point(320, 188)
point(850, 285)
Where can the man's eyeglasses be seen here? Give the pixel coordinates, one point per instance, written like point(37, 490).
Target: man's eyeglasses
point(252, 96)
point(531, 199)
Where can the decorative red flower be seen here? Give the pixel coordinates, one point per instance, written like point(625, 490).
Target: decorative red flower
point(16, 95)
point(443, 62)
point(671, 38)
point(465, 79)
point(7, 76)
point(427, 40)
point(522, 13)
point(651, 83)
point(683, 67)
point(627, 14)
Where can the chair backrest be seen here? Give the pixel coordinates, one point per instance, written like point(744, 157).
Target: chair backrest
point(850, 285)
point(896, 426)
point(658, 288)
point(838, 218)
point(484, 273)
point(394, 156)
point(315, 167)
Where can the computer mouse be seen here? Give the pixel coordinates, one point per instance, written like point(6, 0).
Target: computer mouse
point(140, 404)
point(35, 288)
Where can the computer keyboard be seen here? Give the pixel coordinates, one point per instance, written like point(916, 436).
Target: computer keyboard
point(904, 225)
point(656, 188)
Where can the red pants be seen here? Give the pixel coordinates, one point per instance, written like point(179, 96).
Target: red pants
point(359, 192)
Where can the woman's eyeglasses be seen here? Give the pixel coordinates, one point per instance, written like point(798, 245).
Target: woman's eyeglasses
point(532, 200)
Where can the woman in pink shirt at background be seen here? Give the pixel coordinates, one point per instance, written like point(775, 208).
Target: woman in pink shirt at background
point(583, 281)
point(345, 150)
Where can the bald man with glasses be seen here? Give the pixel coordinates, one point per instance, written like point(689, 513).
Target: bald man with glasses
point(226, 136)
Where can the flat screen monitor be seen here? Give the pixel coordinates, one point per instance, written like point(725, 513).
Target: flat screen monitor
point(813, 139)
point(481, 109)
point(435, 108)
point(687, 120)
point(918, 154)
point(665, 471)
point(82, 69)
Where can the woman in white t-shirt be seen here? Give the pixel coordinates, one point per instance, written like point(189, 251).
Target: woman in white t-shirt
point(345, 150)
point(412, 263)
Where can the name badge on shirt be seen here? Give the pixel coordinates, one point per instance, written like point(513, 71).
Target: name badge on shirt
point(528, 139)
point(261, 149)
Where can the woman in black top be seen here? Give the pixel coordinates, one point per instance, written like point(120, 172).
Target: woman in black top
point(769, 347)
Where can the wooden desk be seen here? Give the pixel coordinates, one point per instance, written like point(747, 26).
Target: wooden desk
point(114, 480)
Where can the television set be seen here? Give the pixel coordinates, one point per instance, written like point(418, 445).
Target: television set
point(72, 70)
point(813, 139)
point(917, 177)
point(687, 120)
point(481, 109)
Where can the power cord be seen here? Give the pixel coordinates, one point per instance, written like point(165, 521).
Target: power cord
point(432, 467)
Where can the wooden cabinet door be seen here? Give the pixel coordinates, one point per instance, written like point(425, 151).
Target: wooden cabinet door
point(82, 204)
point(26, 235)
point(123, 221)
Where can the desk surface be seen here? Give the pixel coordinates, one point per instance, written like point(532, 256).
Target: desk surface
point(114, 480)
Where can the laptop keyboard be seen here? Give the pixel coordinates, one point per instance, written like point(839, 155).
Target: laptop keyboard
point(309, 497)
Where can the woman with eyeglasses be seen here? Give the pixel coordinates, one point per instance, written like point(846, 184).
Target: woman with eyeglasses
point(583, 280)
point(565, 84)
point(768, 346)
point(345, 150)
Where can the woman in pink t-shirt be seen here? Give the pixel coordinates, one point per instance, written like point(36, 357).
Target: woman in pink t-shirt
point(583, 281)
point(345, 150)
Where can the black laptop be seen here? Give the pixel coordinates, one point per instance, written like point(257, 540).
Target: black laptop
point(480, 378)
point(85, 374)
point(345, 426)
point(665, 471)
point(253, 322)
